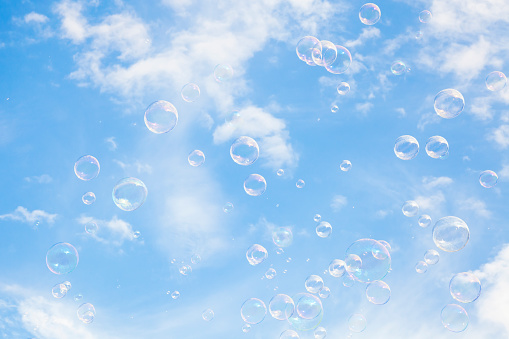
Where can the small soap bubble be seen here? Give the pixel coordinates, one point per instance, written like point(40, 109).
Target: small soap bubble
point(289, 259)
point(270, 274)
point(253, 311)
point(431, 257)
point(418, 35)
point(175, 295)
point(425, 16)
point(437, 147)
point(223, 73)
point(91, 227)
point(495, 81)
point(343, 88)
point(246, 328)
point(59, 291)
point(465, 287)
point(86, 313)
point(317, 218)
point(196, 158)
point(305, 48)
point(421, 267)
point(129, 194)
point(449, 103)
point(88, 198)
point(62, 258)
point(410, 208)
point(337, 268)
point(324, 229)
point(342, 62)
point(369, 14)
point(185, 269)
point(228, 207)
point(334, 108)
point(424, 221)
point(324, 292)
point(208, 314)
point(357, 323)
point(289, 334)
point(196, 259)
point(280, 172)
point(256, 254)
point(378, 292)
point(488, 179)
point(450, 234)
point(454, 318)
point(255, 185)
point(300, 183)
point(136, 234)
point(313, 283)
point(282, 236)
point(244, 151)
point(345, 166)
point(78, 297)
point(406, 147)
point(161, 117)
point(190, 92)
point(398, 67)
point(87, 168)
point(320, 333)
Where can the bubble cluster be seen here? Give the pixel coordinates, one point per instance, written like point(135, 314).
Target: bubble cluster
point(465, 287)
point(425, 16)
point(410, 208)
point(223, 73)
point(129, 194)
point(190, 92)
point(282, 236)
point(244, 151)
point(313, 283)
point(88, 198)
point(87, 168)
point(324, 53)
point(488, 179)
point(86, 313)
point(398, 67)
point(449, 103)
point(454, 318)
point(255, 185)
point(369, 14)
point(437, 147)
point(324, 229)
point(406, 147)
point(281, 307)
point(161, 117)
point(62, 258)
point(253, 311)
point(343, 88)
point(495, 81)
point(378, 292)
point(256, 254)
point(196, 158)
point(345, 165)
point(450, 234)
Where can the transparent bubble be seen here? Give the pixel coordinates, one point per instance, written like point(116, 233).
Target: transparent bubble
point(256, 254)
point(418, 35)
point(465, 287)
point(348, 280)
point(324, 292)
point(67, 285)
point(449, 103)
point(129, 194)
point(410, 208)
point(495, 81)
point(255, 185)
point(59, 291)
point(223, 72)
point(320, 333)
point(343, 88)
point(324, 53)
point(175, 295)
point(253, 311)
point(313, 283)
point(425, 16)
point(353, 263)
point(289, 334)
point(62, 258)
point(78, 297)
point(246, 328)
point(488, 179)
point(244, 151)
point(308, 312)
point(282, 236)
point(454, 318)
point(228, 207)
point(431, 257)
point(87, 168)
point(337, 268)
point(196, 259)
point(386, 244)
point(136, 234)
point(279, 250)
point(450, 234)
point(378, 292)
point(270, 274)
point(208, 314)
point(190, 92)
point(369, 14)
point(357, 323)
point(345, 165)
point(437, 147)
point(161, 117)
point(300, 183)
point(424, 220)
point(185, 269)
point(324, 229)
point(88, 198)
point(281, 307)
point(86, 313)
point(305, 48)
point(373, 268)
point(398, 67)
point(196, 158)
point(342, 62)
point(421, 267)
point(334, 108)
point(406, 147)
point(317, 218)
point(280, 172)
point(91, 227)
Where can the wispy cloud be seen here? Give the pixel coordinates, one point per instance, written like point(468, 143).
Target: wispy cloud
point(433, 182)
point(23, 215)
point(114, 231)
point(338, 202)
point(500, 135)
point(40, 179)
point(34, 17)
point(112, 144)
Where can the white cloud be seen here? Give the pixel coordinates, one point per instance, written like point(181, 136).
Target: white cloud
point(474, 205)
point(138, 166)
point(338, 202)
point(500, 135)
point(114, 231)
point(364, 107)
point(381, 214)
point(41, 179)
point(432, 182)
point(366, 34)
point(401, 111)
point(481, 109)
point(504, 172)
point(24, 215)
point(34, 17)
point(430, 203)
point(428, 119)
point(111, 143)
point(74, 25)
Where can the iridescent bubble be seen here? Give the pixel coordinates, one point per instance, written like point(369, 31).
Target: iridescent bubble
point(425, 16)
point(175, 295)
point(345, 165)
point(196, 158)
point(246, 328)
point(91, 227)
point(228, 207)
point(59, 291)
point(324, 292)
point(386, 244)
point(410, 208)
point(465, 287)
point(161, 117)
point(342, 62)
point(357, 323)
point(320, 333)
point(317, 218)
point(334, 108)
point(196, 259)
point(270, 274)
point(281, 307)
point(398, 67)
point(136, 234)
point(488, 179)
point(253, 311)
point(289, 334)
point(353, 263)
point(324, 229)
point(495, 81)
point(343, 88)
point(324, 53)
point(244, 151)
point(421, 267)
point(348, 280)
point(406, 147)
point(190, 92)
point(454, 318)
point(337, 268)
point(373, 268)
point(431, 257)
point(255, 185)
point(369, 14)
point(282, 236)
point(129, 194)
point(223, 72)
point(256, 254)
point(449, 103)
point(300, 183)
point(424, 221)
point(313, 283)
point(88, 198)
point(87, 168)
point(450, 234)
point(437, 146)
point(305, 48)
point(308, 312)
point(62, 258)
point(185, 269)
point(86, 313)
point(378, 292)
point(208, 314)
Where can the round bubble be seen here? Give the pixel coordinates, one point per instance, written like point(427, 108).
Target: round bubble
point(196, 259)
point(495, 81)
point(425, 16)
point(305, 49)
point(454, 318)
point(280, 172)
point(228, 207)
point(424, 221)
point(62, 258)
point(196, 158)
point(449, 103)
point(317, 218)
point(406, 147)
point(246, 328)
point(255, 185)
point(185, 269)
point(369, 14)
point(342, 62)
point(136, 234)
point(244, 151)
point(488, 179)
point(190, 92)
point(129, 194)
point(282, 236)
point(431, 257)
point(373, 268)
point(353, 263)
point(357, 323)
point(343, 88)
point(91, 227)
point(270, 274)
point(324, 292)
point(253, 311)
point(59, 291)
point(465, 287)
point(88, 198)
point(86, 313)
point(308, 312)
point(337, 268)
point(398, 67)
point(320, 333)
point(421, 267)
point(334, 108)
point(324, 229)
point(281, 307)
point(289, 334)
point(450, 234)
point(256, 254)
point(208, 314)
point(175, 295)
point(87, 168)
point(300, 183)
point(410, 208)
point(378, 292)
point(324, 53)
point(345, 165)
point(161, 117)
point(437, 147)
point(418, 35)
point(223, 72)
point(348, 280)
point(313, 283)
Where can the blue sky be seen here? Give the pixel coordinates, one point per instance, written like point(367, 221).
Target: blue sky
point(77, 78)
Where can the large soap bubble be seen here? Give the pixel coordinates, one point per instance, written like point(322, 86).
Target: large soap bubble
point(454, 318)
point(62, 258)
point(406, 147)
point(369, 14)
point(161, 117)
point(324, 229)
point(253, 311)
point(465, 287)
point(342, 62)
point(450, 234)
point(281, 306)
point(308, 312)
point(244, 151)
point(376, 260)
point(256, 254)
point(449, 103)
point(255, 185)
point(87, 167)
point(129, 194)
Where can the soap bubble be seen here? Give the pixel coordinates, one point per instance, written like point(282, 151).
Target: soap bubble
point(425, 16)
point(378, 292)
point(246, 328)
point(88, 198)
point(465, 287)
point(495, 81)
point(337, 268)
point(62, 258)
point(373, 268)
point(86, 313)
point(334, 108)
point(244, 151)
point(353, 263)
point(449, 103)
point(253, 311)
point(270, 274)
point(345, 166)
point(256, 254)
point(59, 291)
point(136, 234)
point(175, 295)
point(185, 269)
point(300, 183)
point(488, 179)
point(313, 283)
point(196, 158)
point(342, 62)
point(324, 229)
point(91, 227)
point(320, 333)
point(406, 147)
point(398, 67)
point(357, 323)
point(421, 267)
point(228, 207)
point(190, 92)
point(289, 334)
point(418, 35)
point(431, 257)
point(369, 14)
point(343, 88)
point(424, 220)
point(280, 172)
point(281, 307)
point(305, 48)
point(161, 117)
point(317, 218)
point(454, 318)
point(196, 259)
point(450, 234)
point(308, 312)
point(78, 297)
point(87, 167)
point(129, 194)
point(324, 292)
point(208, 314)
point(410, 208)
point(282, 236)
point(437, 146)
point(324, 53)
point(223, 73)
point(255, 185)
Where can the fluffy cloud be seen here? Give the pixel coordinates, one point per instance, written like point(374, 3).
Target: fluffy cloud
point(22, 214)
point(41, 179)
point(338, 202)
point(114, 231)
